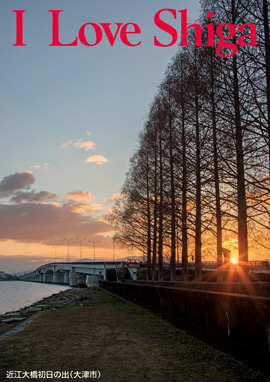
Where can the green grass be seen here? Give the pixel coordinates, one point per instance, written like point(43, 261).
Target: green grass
point(124, 342)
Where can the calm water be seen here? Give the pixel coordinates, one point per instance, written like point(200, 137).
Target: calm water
point(18, 294)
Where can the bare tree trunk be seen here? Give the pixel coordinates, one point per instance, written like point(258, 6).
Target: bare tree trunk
point(198, 221)
point(148, 224)
point(184, 201)
point(241, 190)
point(173, 217)
point(160, 219)
point(216, 174)
point(154, 260)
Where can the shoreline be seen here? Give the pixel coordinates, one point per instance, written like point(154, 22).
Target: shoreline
point(17, 295)
point(64, 299)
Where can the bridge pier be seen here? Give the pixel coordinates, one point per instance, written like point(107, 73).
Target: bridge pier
point(73, 278)
point(81, 280)
point(66, 278)
point(49, 276)
point(58, 278)
point(92, 280)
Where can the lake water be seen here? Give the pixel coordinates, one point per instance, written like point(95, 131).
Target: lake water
point(18, 294)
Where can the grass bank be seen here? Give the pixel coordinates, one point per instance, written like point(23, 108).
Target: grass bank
point(122, 341)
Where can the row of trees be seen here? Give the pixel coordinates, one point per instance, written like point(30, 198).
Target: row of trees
point(200, 175)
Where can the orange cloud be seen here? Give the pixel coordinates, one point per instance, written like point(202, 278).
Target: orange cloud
point(98, 159)
point(84, 208)
point(112, 199)
point(86, 145)
point(77, 196)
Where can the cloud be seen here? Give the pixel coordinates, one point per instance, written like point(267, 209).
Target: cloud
point(98, 159)
point(112, 199)
point(79, 202)
point(79, 196)
point(86, 145)
point(46, 223)
point(32, 196)
point(17, 181)
point(38, 166)
point(65, 145)
point(80, 144)
point(104, 219)
point(84, 208)
point(87, 133)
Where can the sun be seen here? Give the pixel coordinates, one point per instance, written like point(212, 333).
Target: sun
point(233, 260)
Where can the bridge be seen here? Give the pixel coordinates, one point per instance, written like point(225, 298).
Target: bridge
point(81, 273)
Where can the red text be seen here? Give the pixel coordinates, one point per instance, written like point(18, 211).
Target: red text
point(225, 31)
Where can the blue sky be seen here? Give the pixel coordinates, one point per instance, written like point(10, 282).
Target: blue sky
point(54, 99)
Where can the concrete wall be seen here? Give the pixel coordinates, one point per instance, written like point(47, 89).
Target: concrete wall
point(242, 319)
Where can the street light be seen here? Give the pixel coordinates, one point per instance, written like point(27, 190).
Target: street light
point(68, 255)
point(113, 245)
point(81, 240)
point(94, 242)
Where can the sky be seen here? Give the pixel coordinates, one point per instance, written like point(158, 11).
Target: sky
point(70, 119)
